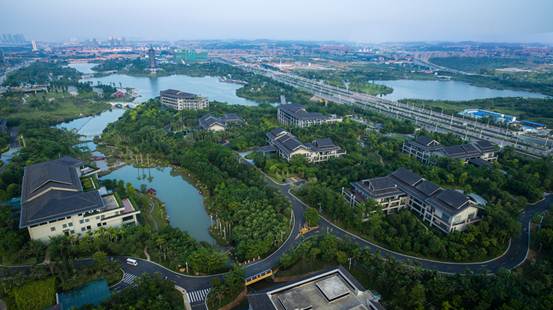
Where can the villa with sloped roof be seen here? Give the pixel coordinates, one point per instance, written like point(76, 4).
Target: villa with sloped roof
point(215, 123)
point(55, 202)
point(446, 209)
point(288, 146)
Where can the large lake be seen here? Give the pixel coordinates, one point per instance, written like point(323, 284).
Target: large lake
point(183, 202)
point(149, 86)
point(447, 90)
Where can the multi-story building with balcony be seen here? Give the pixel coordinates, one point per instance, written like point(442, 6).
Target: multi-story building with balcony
point(295, 115)
point(446, 209)
point(179, 100)
point(62, 197)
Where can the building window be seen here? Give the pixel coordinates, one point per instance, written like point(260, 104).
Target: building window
point(99, 224)
point(83, 229)
point(70, 224)
point(81, 221)
point(98, 217)
point(87, 220)
point(64, 225)
point(52, 228)
point(88, 227)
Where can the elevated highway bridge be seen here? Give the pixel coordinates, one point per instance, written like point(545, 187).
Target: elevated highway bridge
point(468, 129)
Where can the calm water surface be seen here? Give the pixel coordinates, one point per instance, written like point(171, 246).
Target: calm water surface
point(149, 86)
point(83, 67)
point(448, 90)
point(184, 203)
point(92, 126)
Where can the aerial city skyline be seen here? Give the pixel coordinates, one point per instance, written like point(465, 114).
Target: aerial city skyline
point(350, 20)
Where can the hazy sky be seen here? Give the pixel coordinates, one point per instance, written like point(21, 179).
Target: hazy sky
point(351, 20)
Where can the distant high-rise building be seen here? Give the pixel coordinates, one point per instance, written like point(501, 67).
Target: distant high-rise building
point(35, 47)
point(152, 59)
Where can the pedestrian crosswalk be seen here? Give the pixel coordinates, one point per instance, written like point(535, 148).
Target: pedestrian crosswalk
point(128, 278)
point(198, 296)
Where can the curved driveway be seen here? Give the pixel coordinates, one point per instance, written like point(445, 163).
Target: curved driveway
point(515, 255)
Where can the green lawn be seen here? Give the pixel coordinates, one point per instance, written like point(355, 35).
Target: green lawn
point(50, 107)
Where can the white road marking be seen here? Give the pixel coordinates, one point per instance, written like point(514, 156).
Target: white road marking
point(198, 295)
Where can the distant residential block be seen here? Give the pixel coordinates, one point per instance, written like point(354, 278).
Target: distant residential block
point(426, 149)
point(54, 202)
point(295, 115)
point(214, 123)
point(446, 209)
point(288, 146)
point(329, 289)
point(179, 100)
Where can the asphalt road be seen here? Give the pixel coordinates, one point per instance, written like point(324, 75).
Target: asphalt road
point(515, 255)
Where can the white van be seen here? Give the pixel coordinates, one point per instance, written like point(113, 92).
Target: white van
point(132, 262)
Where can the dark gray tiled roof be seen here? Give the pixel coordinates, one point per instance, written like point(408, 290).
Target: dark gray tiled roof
point(276, 132)
point(299, 112)
point(54, 173)
point(291, 108)
point(52, 189)
point(408, 182)
point(407, 176)
point(462, 151)
point(450, 201)
point(209, 120)
point(381, 183)
point(428, 188)
point(173, 93)
point(485, 146)
point(452, 198)
point(231, 117)
point(380, 187)
point(58, 204)
point(425, 140)
point(290, 142)
point(324, 144)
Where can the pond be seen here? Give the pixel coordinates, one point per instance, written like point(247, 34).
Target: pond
point(149, 86)
point(447, 90)
point(93, 293)
point(92, 126)
point(183, 202)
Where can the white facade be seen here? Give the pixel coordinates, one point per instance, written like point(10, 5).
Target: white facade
point(113, 215)
point(198, 103)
